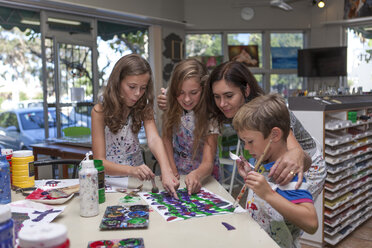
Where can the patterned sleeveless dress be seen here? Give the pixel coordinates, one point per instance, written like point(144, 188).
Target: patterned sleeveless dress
point(123, 147)
point(182, 146)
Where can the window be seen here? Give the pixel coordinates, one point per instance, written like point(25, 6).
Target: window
point(116, 40)
point(283, 50)
point(283, 63)
point(72, 38)
point(246, 40)
point(359, 58)
point(285, 84)
point(207, 48)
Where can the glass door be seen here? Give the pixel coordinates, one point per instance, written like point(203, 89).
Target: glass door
point(69, 47)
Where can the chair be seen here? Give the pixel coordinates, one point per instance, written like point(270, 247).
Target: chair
point(76, 131)
point(227, 142)
point(55, 162)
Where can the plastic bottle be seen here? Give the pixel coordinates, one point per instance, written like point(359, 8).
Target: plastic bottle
point(46, 235)
point(101, 180)
point(8, 153)
point(6, 227)
point(23, 172)
point(5, 196)
point(88, 179)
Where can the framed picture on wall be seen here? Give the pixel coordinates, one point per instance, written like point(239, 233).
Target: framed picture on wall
point(247, 54)
point(284, 57)
point(210, 61)
point(357, 8)
point(177, 50)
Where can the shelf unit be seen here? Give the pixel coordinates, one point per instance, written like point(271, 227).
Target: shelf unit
point(347, 149)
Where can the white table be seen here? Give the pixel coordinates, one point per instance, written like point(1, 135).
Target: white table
point(197, 232)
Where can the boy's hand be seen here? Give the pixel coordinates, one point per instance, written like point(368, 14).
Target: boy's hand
point(243, 167)
point(258, 184)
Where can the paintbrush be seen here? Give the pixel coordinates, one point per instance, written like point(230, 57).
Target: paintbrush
point(154, 189)
point(236, 202)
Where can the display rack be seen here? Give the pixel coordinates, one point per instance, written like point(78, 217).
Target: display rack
point(343, 125)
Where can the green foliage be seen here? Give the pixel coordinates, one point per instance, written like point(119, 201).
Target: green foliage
point(23, 96)
point(286, 40)
point(203, 45)
point(135, 42)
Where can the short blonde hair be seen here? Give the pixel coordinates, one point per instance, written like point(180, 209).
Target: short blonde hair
point(262, 114)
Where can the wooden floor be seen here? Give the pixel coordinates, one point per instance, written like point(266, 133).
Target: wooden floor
point(359, 238)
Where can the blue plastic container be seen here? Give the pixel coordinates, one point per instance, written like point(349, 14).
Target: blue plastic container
point(6, 227)
point(4, 181)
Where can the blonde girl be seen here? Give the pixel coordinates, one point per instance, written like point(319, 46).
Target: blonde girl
point(188, 135)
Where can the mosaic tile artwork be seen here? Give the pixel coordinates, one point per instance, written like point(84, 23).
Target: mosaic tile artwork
point(204, 203)
point(125, 217)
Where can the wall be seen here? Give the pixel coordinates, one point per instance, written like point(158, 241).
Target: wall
point(225, 16)
point(164, 9)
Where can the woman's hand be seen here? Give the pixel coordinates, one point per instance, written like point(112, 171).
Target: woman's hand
point(287, 166)
point(162, 100)
point(258, 184)
point(142, 172)
point(170, 183)
point(193, 182)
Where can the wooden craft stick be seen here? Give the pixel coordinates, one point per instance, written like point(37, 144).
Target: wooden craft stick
point(255, 169)
point(262, 156)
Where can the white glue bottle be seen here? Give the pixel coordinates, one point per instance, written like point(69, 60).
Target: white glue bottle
point(88, 179)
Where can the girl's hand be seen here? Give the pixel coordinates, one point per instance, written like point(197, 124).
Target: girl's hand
point(243, 167)
point(258, 184)
point(170, 183)
point(162, 100)
point(287, 166)
point(142, 172)
point(193, 183)
point(175, 173)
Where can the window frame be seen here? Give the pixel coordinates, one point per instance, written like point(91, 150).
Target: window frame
point(265, 70)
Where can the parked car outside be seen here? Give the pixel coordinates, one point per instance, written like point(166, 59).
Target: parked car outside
point(23, 127)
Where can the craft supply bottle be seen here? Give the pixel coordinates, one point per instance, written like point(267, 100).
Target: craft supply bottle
point(23, 172)
point(8, 153)
point(101, 180)
point(6, 227)
point(4, 181)
point(88, 179)
point(46, 235)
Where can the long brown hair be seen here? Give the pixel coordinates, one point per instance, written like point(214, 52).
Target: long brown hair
point(186, 69)
point(236, 73)
point(114, 108)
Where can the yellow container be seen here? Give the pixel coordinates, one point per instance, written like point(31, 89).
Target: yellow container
point(23, 171)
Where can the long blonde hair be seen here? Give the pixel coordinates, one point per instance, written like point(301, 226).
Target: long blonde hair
point(114, 108)
point(186, 69)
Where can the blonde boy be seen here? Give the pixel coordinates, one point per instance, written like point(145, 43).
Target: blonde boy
point(282, 211)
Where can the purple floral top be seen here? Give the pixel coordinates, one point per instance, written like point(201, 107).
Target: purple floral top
point(123, 147)
point(182, 146)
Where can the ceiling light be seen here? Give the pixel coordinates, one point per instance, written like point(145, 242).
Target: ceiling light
point(63, 21)
point(321, 4)
point(30, 22)
point(281, 4)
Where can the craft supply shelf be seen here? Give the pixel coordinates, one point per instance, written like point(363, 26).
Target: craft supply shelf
point(345, 131)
